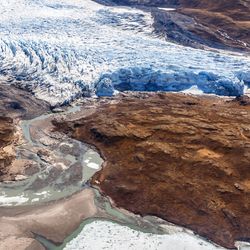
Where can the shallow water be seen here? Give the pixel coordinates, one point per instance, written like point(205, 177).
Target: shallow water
point(51, 181)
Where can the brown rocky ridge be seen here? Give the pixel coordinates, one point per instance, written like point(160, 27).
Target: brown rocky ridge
point(14, 105)
point(225, 22)
point(220, 24)
point(6, 138)
point(18, 103)
point(183, 158)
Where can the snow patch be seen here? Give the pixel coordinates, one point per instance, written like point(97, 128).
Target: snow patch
point(93, 165)
point(167, 9)
point(194, 90)
point(13, 200)
point(242, 245)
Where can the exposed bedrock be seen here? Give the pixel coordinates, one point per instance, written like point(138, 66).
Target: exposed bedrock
point(179, 157)
point(220, 24)
point(14, 105)
point(6, 138)
point(17, 103)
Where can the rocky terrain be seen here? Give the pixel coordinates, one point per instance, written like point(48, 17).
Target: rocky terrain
point(172, 161)
point(179, 157)
point(17, 103)
point(14, 105)
point(225, 23)
point(197, 23)
point(6, 139)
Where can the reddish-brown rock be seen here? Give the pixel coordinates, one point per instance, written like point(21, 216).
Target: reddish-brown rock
point(215, 23)
point(14, 105)
point(185, 159)
point(6, 138)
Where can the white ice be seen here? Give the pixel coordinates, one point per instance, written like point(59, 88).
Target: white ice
point(194, 90)
point(9, 201)
point(167, 9)
point(63, 49)
point(93, 165)
point(100, 235)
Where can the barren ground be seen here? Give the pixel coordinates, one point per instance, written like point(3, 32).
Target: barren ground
point(182, 158)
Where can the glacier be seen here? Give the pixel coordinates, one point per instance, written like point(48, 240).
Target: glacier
point(64, 49)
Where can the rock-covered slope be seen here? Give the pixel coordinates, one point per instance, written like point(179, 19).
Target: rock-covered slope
point(225, 22)
point(63, 50)
point(182, 158)
point(220, 24)
point(14, 105)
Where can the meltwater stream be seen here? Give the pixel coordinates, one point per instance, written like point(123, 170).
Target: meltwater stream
point(59, 166)
point(63, 49)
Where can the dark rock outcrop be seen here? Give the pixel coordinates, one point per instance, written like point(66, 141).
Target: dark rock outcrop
point(17, 103)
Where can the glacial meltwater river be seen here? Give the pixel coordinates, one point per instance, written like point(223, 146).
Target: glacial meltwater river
point(73, 164)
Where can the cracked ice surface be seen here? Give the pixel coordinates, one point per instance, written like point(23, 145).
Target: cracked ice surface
point(62, 49)
point(108, 235)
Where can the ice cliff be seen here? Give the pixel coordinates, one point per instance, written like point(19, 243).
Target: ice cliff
point(63, 49)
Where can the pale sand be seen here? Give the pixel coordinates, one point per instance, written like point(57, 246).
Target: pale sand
point(54, 221)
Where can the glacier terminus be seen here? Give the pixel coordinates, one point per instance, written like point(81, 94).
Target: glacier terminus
point(63, 49)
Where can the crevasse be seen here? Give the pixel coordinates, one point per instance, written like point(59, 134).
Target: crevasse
point(64, 49)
